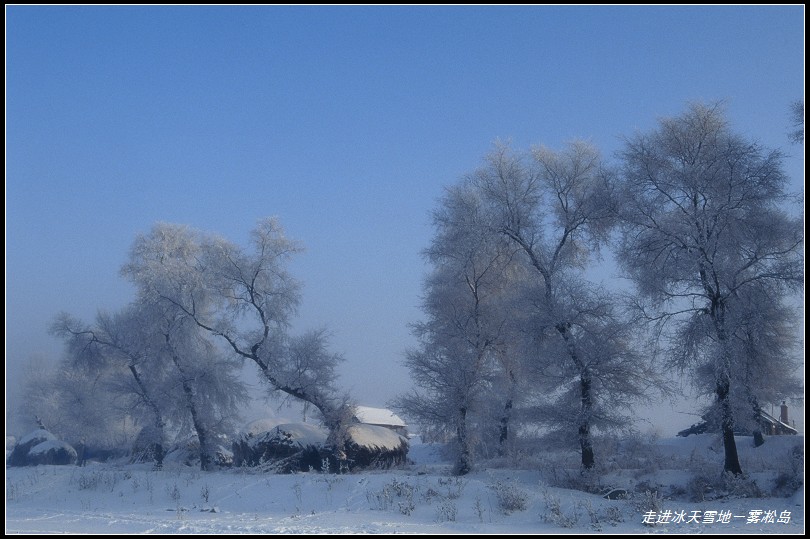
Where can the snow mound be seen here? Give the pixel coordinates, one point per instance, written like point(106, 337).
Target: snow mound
point(301, 434)
point(51, 452)
point(19, 456)
point(48, 445)
point(277, 443)
point(259, 426)
point(39, 435)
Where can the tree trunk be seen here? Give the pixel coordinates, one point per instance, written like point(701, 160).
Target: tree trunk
point(585, 442)
point(504, 428)
point(503, 437)
point(731, 464)
point(759, 439)
point(206, 463)
point(586, 399)
point(337, 418)
point(732, 461)
point(159, 454)
point(333, 411)
point(160, 424)
point(337, 415)
point(464, 461)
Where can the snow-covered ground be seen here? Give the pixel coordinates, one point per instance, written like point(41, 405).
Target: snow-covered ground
point(421, 498)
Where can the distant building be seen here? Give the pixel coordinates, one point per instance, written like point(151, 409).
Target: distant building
point(380, 417)
point(769, 425)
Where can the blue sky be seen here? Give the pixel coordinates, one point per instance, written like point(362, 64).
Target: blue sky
point(345, 122)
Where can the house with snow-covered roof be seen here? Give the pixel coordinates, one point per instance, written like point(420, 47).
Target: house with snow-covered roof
point(767, 424)
point(380, 417)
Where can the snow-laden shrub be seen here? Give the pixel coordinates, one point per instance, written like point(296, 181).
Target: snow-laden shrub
point(554, 513)
point(396, 493)
point(650, 501)
point(639, 452)
point(510, 497)
point(578, 479)
point(446, 511)
point(706, 487)
point(455, 486)
point(791, 472)
point(739, 486)
point(786, 485)
point(97, 479)
point(699, 487)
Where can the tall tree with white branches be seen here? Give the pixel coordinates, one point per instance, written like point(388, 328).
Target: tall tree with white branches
point(552, 211)
point(706, 232)
point(245, 298)
point(174, 376)
point(466, 326)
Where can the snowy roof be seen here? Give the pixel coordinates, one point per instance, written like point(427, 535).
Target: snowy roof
point(776, 422)
point(378, 416)
point(375, 437)
point(764, 418)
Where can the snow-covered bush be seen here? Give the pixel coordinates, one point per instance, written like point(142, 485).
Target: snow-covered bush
point(739, 486)
point(446, 511)
point(41, 447)
point(651, 501)
point(510, 497)
point(705, 487)
point(554, 513)
point(399, 493)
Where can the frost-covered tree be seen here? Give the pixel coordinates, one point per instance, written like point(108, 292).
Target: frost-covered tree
point(797, 122)
point(594, 375)
point(708, 242)
point(508, 297)
point(245, 298)
point(764, 341)
point(168, 369)
point(766, 338)
point(205, 380)
point(79, 404)
point(555, 209)
point(465, 331)
point(116, 344)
